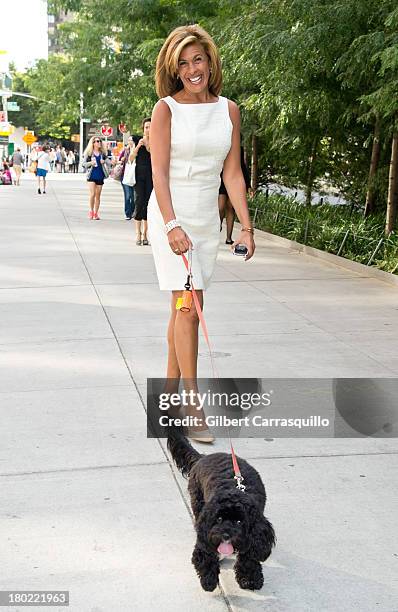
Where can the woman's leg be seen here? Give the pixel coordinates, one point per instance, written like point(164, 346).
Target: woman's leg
point(148, 191)
point(186, 340)
point(222, 200)
point(97, 201)
point(139, 205)
point(144, 230)
point(91, 188)
point(38, 184)
point(230, 218)
point(173, 369)
point(138, 231)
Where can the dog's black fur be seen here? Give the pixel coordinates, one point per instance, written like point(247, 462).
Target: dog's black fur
point(223, 513)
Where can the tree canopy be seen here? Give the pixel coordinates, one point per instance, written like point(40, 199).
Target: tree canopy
point(316, 80)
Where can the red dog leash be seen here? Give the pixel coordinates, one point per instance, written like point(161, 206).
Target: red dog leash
point(188, 264)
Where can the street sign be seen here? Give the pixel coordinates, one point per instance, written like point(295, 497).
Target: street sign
point(13, 106)
point(4, 140)
point(6, 128)
point(122, 128)
point(106, 130)
point(29, 138)
point(75, 138)
point(93, 130)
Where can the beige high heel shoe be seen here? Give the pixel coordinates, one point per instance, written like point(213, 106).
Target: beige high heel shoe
point(203, 435)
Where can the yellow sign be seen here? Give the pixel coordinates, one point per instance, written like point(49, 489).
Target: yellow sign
point(6, 129)
point(75, 138)
point(118, 149)
point(29, 139)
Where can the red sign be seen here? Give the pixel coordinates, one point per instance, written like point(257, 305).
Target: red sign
point(3, 116)
point(106, 130)
point(122, 128)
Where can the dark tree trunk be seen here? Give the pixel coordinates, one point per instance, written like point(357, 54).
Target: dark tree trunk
point(311, 172)
point(392, 186)
point(374, 162)
point(254, 168)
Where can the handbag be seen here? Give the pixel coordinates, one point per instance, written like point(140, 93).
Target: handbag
point(33, 167)
point(117, 172)
point(129, 174)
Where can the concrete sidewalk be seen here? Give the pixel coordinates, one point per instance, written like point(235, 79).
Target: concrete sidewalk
point(89, 504)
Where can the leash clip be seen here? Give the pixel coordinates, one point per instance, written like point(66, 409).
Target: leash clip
point(239, 484)
point(184, 303)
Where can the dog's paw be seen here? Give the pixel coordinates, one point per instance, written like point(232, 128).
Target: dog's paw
point(209, 582)
point(252, 581)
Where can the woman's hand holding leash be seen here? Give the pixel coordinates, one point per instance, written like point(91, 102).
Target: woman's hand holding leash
point(179, 241)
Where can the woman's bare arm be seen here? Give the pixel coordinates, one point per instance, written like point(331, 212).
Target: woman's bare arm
point(235, 183)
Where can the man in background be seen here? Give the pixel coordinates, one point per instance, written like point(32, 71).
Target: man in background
point(17, 162)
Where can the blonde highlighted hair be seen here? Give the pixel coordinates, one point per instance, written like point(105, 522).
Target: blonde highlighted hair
point(90, 146)
point(166, 79)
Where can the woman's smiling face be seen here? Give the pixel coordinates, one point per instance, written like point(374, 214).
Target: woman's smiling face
point(193, 68)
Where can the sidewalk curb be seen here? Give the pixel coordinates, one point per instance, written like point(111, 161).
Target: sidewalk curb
point(342, 262)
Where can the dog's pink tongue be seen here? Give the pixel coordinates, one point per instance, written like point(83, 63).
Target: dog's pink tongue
point(225, 548)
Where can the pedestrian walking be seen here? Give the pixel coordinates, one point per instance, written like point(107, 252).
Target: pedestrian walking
point(63, 159)
point(77, 160)
point(58, 158)
point(143, 181)
point(43, 166)
point(128, 189)
point(70, 161)
point(195, 134)
point(96, 164)
point(52, 159)
point(17, 163)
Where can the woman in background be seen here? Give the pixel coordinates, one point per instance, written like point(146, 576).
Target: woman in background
point(95, 162)
point(43, 166)
point(143, 182)
point(128, 190)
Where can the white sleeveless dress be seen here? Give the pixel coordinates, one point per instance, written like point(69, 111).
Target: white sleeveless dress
point(200, 141)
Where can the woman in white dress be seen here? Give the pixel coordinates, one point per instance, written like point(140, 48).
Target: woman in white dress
point(195, 134)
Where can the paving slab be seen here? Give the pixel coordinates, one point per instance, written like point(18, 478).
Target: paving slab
point(64, 364)
point(51, 313)
point(74, 429)
point(58, 271)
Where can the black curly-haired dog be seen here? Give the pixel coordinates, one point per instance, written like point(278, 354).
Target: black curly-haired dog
point(227, 519)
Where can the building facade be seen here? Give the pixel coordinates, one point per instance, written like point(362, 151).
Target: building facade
point(54, 21)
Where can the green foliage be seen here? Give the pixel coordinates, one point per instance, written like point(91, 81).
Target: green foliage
point(324, 227)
